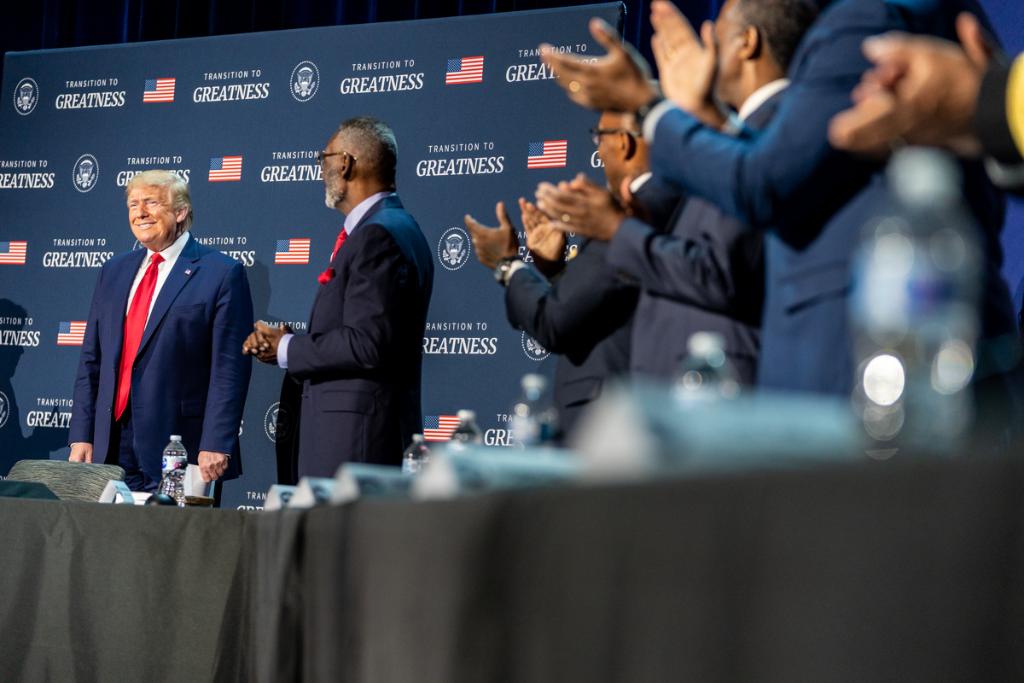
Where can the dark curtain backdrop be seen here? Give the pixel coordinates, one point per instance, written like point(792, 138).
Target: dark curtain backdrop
point(40, 24)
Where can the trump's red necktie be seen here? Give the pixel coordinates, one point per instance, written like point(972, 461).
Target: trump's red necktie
point(328, 273)
point(134, 326)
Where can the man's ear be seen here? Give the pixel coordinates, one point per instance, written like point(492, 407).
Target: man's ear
point(752, 43)
point(347, 165)
point(630, 145)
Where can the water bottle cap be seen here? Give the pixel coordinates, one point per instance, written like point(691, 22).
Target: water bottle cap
point(466, 415)
point(924, 177)
point(175, 437)
point(705, 343)
point(533, 382)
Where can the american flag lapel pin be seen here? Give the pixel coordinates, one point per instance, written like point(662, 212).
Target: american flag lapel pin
point(188, 271)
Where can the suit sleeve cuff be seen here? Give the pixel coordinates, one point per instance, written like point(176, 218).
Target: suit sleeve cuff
point(651, 120)
point(282, 350)
point(515, 268)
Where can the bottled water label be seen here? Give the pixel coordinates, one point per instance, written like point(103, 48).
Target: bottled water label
point(174, 462)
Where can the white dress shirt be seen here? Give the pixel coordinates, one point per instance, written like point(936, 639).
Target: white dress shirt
point(749, 106)
point(170, 255)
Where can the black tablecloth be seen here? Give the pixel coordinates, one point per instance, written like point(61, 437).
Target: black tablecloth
point(94, 592)
point(887, 571)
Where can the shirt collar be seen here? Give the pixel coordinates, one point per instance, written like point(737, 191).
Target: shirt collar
point(356, 214)
point(172, 252)
point(760, 96)
point(637, 183)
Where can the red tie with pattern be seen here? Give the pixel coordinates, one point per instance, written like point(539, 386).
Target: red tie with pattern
point(328, 274)
point(134, 326)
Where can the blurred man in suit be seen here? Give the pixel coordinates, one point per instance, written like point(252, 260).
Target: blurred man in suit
point(584, 311)
point(160, 355)
point(789, 180)
point(360, 365)
point(708, 274)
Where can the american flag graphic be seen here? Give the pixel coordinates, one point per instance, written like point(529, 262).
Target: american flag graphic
point(158, 90)
point(548, 154)
point(464, 70)
point(225, 169)
point(13, 253)
point(292, 251)
point(71, 333)
point(439, 427)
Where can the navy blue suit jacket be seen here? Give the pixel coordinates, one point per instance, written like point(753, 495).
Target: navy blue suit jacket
point(815, 199)
point(361, 361)
point(584, 314)
point(706, 275)
point(189, 378)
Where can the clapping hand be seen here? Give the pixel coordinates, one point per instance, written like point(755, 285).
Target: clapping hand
point(581, 206)
point(686, 62)
point(543, 238)
point(263, 342)
point(493, 244)
point(619, 81)
point(921, 91)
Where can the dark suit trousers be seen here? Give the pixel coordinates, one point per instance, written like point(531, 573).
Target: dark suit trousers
point(121, 448)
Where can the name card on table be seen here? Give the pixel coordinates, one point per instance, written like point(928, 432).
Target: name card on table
point(358, 480)
point(312, 491)
point(117, 492)
point(473, 469)
point(279, 496)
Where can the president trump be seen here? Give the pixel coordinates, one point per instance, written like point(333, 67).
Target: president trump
point(160, 355)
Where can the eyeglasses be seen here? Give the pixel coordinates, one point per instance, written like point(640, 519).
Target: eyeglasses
point(596, 133)
point(320, 156)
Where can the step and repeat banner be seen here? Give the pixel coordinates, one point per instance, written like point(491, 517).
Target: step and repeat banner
point(241, 119)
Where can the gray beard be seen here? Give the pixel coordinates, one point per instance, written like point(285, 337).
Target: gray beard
point(332, 199)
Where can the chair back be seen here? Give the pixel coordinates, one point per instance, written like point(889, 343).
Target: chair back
point(68, 480)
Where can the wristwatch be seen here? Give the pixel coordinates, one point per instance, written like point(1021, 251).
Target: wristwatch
point(506, 268)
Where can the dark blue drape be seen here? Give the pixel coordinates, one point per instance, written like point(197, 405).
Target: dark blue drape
point(29, 25)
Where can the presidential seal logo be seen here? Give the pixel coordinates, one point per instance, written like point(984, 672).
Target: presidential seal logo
point(533, 350)
point(305, 81)
point(5, 408)
point(453, 249)
point(277, 422)
point(85, 173)
point(26, 96)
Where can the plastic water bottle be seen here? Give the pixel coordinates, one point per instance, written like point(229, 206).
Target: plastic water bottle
point(416, 456)
point(914, 309)
point(467, 433)
point(706, 374)
point(533, 418)
point(175, 460)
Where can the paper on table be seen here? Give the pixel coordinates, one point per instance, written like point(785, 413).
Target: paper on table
point(117, 491)
point(195, 485)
